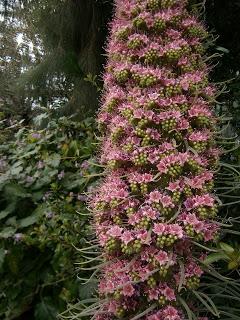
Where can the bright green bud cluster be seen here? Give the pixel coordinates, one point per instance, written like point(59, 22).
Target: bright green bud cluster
point(202, 121)
point(113, 164)
point(187, 191)
point(159, 25)
point(141, 159)
point(142, 123)
point(167, 3)
point(172, 90)
point(162, 301)
point(101, 205)
point(134, 187)
point(117, 295)
point(151, 282)
point(145, 141)
point(176, 196)
point(128, 147)
point(151, 57)
point(139, 132)
point(197, 31)
point(134, 44)
point(117, 220)
point(143, 188)
point(144, 223)
point(206, 212)
point(120, 313)
point(132, 247)
point(168, 125)
point(123, 33)
point(111, 105)
point(184, 107)
point(117, 134)
point(175, 170)
point(192, 283)
point(151, 104)
point(194, 166)
point(122, 76)
point(127, 113)
point(163, 271)
point(199, 146)
point(130, 211)
point(166, 211)
point(112, 245)
point(177, 136)
point(189, 230)
point(166, 240)
point(147, 81)
point(153, 4)
point(174, 54)
point(199, 48)
point(114, 203)
point(139, 23)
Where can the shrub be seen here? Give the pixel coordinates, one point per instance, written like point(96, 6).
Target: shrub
point(44, 176)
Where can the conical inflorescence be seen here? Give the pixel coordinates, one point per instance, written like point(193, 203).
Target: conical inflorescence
point(156, 201)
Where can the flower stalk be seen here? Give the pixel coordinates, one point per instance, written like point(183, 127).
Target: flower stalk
point(157, 199)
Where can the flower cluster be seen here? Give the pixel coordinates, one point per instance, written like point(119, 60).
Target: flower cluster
point(157, 198)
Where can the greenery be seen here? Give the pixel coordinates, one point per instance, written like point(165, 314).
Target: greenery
point(43, 217)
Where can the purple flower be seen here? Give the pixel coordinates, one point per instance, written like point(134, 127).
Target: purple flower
point(46, 195)
point(36, 135)
point(82, 197)
point(40, 165)
point(29, 179)
point(49, 214)
point(85, 165)
point(18, 237)
point(61, 175)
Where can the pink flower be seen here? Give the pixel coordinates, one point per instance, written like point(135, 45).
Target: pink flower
point(126, 237)
point(153, 294)
point(155, 196)
point(169, 294)
point(159, 228)
point(176, 230)
point(128, 290)
point(115, 231)
point(162, 257)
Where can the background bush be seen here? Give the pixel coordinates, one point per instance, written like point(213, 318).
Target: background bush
point(43, 216)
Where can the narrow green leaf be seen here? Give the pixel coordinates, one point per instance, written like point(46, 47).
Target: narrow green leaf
point(226, 247)
point(214, 257)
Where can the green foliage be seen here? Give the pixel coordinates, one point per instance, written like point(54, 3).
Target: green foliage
point(43, 216)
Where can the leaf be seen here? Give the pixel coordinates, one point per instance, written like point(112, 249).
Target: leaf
point(7, 232)
point(86, 290)
point(15, 171)
point(45, 310)
point(214, 257)
point(186, 307)
point(28, 221)
point(13, 190)
point(10, 208)
point(53, 160)
point(207, 302)
point(33, 218)
point(222, 49)
point(226, 247)
point(233, 265)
